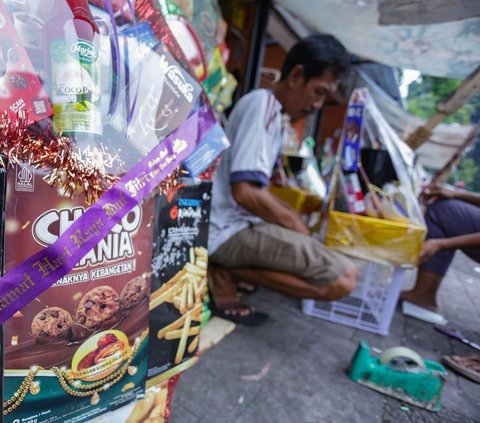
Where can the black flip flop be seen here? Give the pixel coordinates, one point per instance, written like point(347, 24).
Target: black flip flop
point(255, 318)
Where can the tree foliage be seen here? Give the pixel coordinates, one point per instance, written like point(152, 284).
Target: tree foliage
point(424, 95)
point(427, 92)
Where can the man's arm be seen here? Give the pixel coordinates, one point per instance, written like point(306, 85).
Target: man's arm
point(432, 246)
point(265, 205)
point(468, 196)
point(435, 192)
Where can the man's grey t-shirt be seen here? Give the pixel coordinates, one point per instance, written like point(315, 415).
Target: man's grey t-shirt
point(254, 129)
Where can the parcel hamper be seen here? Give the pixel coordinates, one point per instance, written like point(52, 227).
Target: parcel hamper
point(382, 245)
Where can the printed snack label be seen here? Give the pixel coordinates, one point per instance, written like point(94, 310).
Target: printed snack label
point(76, 87)
point(20, 87)
point(79, 349)
point(352, 137)
point(179, 284)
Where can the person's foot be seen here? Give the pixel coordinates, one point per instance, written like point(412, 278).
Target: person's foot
point(221, 284)
point(246, 287)
point(237, 309)
point(424, 301)
point(224, 302)
point(239, 312)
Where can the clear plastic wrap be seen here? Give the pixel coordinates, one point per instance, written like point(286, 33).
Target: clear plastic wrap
point(377, 216)
point(98, 112)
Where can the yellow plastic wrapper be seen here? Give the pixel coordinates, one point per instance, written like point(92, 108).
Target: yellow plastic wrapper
point(375, 239)
point(396, 238)
point(292, 195)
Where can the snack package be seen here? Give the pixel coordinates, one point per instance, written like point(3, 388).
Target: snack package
point(74, 296)
point(211, 146)
point(170, 97)
point(154, 407)
point(179, 279)
point(20, 87)
point(352, 137)
point(79, 349)
point(353, 193)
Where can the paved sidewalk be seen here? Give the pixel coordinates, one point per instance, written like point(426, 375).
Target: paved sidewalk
point(306, 359)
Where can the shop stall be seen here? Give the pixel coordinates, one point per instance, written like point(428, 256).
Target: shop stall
point(108, 141)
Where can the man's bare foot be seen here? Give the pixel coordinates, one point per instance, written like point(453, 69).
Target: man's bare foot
point(246, 287)
point(239, 312)
point(224, 302)
point(237, 309)
point(424, 301)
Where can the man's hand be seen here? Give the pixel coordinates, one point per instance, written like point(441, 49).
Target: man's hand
point(264, 204)
point(298, 225)
point(436, 192)
point(429, 248)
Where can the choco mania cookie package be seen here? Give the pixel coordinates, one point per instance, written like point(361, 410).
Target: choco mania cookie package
point(79, 349)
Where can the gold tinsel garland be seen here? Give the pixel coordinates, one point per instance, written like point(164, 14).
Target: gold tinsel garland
point(73, 172)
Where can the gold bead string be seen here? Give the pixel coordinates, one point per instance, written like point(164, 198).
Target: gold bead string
point(65, 375)
point(91, 388)
point(18, 397)
point(386, 195)
point(103, 386)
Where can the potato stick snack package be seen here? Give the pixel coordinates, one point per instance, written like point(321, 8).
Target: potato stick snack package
point(179, 281)
point(154, 407)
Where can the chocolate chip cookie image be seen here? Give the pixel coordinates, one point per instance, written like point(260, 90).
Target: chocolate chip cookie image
point(52, 323)
point(133, 292)
point(97, 306)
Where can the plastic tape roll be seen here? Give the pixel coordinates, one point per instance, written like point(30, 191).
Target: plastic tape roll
point(404, 352)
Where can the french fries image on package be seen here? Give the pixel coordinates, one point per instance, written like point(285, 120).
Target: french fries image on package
point(185, 290)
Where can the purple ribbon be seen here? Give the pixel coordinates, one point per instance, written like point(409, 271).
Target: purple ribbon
point(116, 57)
point(29, 279)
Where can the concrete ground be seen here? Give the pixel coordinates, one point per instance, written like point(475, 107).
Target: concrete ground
point(304, 360)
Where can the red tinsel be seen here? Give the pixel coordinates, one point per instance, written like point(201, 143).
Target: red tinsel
point(74, 172)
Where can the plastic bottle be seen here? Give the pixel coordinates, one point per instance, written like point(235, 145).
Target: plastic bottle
point(75, 73)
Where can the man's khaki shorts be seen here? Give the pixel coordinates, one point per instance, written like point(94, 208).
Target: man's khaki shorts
point(272, 247)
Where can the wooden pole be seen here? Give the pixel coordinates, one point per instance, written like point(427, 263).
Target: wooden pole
point(470, 86)
point(456, 157)
point(425, 12)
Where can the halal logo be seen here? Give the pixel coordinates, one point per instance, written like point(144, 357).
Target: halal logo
point(24, 180)
point(25, 176)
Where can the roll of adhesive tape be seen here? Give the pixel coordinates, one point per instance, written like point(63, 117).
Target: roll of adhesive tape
point(404, 352)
